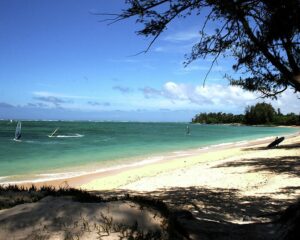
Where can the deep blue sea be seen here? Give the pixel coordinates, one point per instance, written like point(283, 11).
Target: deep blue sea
point(80, 147)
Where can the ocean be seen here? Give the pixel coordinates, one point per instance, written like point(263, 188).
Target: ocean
point(84, 147)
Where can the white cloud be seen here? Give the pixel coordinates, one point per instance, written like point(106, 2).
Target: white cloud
point(173, 96)
point(55, 101)
point(150, 92)
point(71, 102)
point(174, 47)
point(159, 49)
point(176, 91)
point(216, 97)
point(198, 67)
point(102, 104)
point(59, 95)
point(213, 94)
point(187, 35)
point(288, 102)
point(123, 89)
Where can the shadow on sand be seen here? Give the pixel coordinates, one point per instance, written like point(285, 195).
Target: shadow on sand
point(208, 213)
point(289, 165)
point(200, 213)
point(283, 146)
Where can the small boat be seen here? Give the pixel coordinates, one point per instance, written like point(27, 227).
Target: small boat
point(18, 132)
point(52, 134)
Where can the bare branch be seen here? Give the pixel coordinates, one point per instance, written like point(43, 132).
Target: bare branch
point(210, 68)
point(263, 36)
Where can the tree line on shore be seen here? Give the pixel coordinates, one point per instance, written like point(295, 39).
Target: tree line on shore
point(261, 113)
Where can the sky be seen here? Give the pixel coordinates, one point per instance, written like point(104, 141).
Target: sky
point(58, 60)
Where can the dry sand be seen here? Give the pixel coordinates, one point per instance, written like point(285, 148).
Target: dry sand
point(252, 169)
point(247, 183)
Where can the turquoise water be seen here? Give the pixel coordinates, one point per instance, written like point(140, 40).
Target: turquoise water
point(82, 146)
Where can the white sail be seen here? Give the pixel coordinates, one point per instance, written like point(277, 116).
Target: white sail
point(188, 130)
point(18, 131)
point(52, 134)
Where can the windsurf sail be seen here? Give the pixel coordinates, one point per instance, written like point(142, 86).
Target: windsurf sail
point(18, 131)
point(52, 134)
point(276, 142)
point(188, 130)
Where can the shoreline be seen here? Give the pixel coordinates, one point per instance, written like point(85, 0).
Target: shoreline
point(154, 172)
point(207, 154)
point(120, 161)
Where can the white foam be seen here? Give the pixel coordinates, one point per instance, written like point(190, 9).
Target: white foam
point(44, 177)
point(62, 175)
point(179, 152)
point(77, 135)
point(223, 144)
point(241, 143)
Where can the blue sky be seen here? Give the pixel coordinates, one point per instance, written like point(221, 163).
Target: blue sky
point(59, 62)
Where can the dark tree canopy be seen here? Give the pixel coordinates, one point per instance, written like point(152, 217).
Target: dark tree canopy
point(262, 35)
point(260, 113)
point(218, 118)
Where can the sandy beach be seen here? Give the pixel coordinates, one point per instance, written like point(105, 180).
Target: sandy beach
point(250, 168)
point(229, 190)
point(250, 171)
point(242, 171)
point(243, 165)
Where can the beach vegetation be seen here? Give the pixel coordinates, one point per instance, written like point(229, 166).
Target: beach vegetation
point(12, 195)
point(218, 118)
point(177, 223)
point(258, 114)
point(262, 36)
